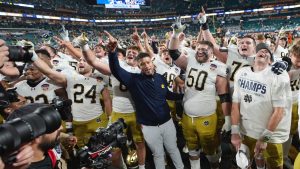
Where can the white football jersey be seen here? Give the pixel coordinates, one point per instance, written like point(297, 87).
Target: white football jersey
point(200, 87)
point(122, 101)
point(169, 72)
point(85, 93)
point(64, 62)
point(41, 93)
point(258, 93)
point(235, 61)
point(280, 53)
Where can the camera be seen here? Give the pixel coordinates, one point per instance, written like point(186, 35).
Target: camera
point(63, 106)
point(39, 119)
point(97, 152)
point(20, 53)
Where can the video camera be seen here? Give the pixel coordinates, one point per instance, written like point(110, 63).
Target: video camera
point(97, 153)
point(63, 106)
point(20, 53)
point(38, 119)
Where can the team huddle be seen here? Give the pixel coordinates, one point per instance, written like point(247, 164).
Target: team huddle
point(250, 89)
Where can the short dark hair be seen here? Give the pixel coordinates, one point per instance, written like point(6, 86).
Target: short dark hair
point(133, 48)
point(208, 43)
point(249, 36)
point(142, 55)
point(43, 51)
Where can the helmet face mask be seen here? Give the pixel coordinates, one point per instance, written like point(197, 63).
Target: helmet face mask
point(243, 157)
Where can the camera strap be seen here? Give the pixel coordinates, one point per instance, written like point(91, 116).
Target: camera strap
point(52, 157)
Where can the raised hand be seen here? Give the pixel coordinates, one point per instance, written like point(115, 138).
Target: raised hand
point(81, 40)
point(144, 34)
point(64, 34)
point(177, 26)
point(3, 53)
point(61, 42)
point(110, 37)
point(202, 16)
point(135, 36)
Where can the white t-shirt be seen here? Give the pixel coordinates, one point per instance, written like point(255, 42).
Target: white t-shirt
point(258, 93)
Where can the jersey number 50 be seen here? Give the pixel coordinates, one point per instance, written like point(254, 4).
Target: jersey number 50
point(196, 79)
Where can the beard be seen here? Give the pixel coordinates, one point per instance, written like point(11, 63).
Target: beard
point(49, 144)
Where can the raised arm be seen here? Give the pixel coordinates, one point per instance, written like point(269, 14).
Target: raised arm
point(179, 58)
point(68, 45)
point(57, 77)
point(122, 75)
point(136, 38)
point(148, 48)
point(222, 56)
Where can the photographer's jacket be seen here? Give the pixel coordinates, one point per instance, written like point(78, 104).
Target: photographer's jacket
point(149, 93)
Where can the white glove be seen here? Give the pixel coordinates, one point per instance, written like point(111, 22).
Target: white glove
point(227, 125)
point(64, 34)
point(81, 41)
point(178, 27)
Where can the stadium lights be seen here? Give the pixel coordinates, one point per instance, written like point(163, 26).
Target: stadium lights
point(141, 20)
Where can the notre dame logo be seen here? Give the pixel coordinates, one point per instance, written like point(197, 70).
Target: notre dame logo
point(248, 98)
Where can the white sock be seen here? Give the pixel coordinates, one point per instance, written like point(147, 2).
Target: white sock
point(195, 164)
point(142, 166)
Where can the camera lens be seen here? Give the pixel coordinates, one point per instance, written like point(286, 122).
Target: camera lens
point(27, 123)
point(19, 53)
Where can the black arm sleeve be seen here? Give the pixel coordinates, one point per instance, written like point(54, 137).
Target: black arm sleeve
point(154, 47)
point(174, 54)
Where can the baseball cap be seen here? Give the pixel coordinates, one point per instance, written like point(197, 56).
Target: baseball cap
point(264, 46)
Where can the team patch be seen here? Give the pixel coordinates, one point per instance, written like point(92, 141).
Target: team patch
point(206, 123)
point(162, 86)
point(45, 87)
point(98, 120)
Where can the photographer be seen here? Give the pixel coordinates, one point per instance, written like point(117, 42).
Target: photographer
point(15, 101)
point(23, 158)
point(43, 156)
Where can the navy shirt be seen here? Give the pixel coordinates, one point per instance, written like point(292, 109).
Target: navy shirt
point(149, 93)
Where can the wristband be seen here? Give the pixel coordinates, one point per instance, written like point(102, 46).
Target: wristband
point(228, 119)
point(34, 56)
point(266, 135)
point(85, 47)
point(235, 129)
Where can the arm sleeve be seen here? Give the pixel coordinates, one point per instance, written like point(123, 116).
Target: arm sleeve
point(122, 75)
point(154, 47)
point(174, 96)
